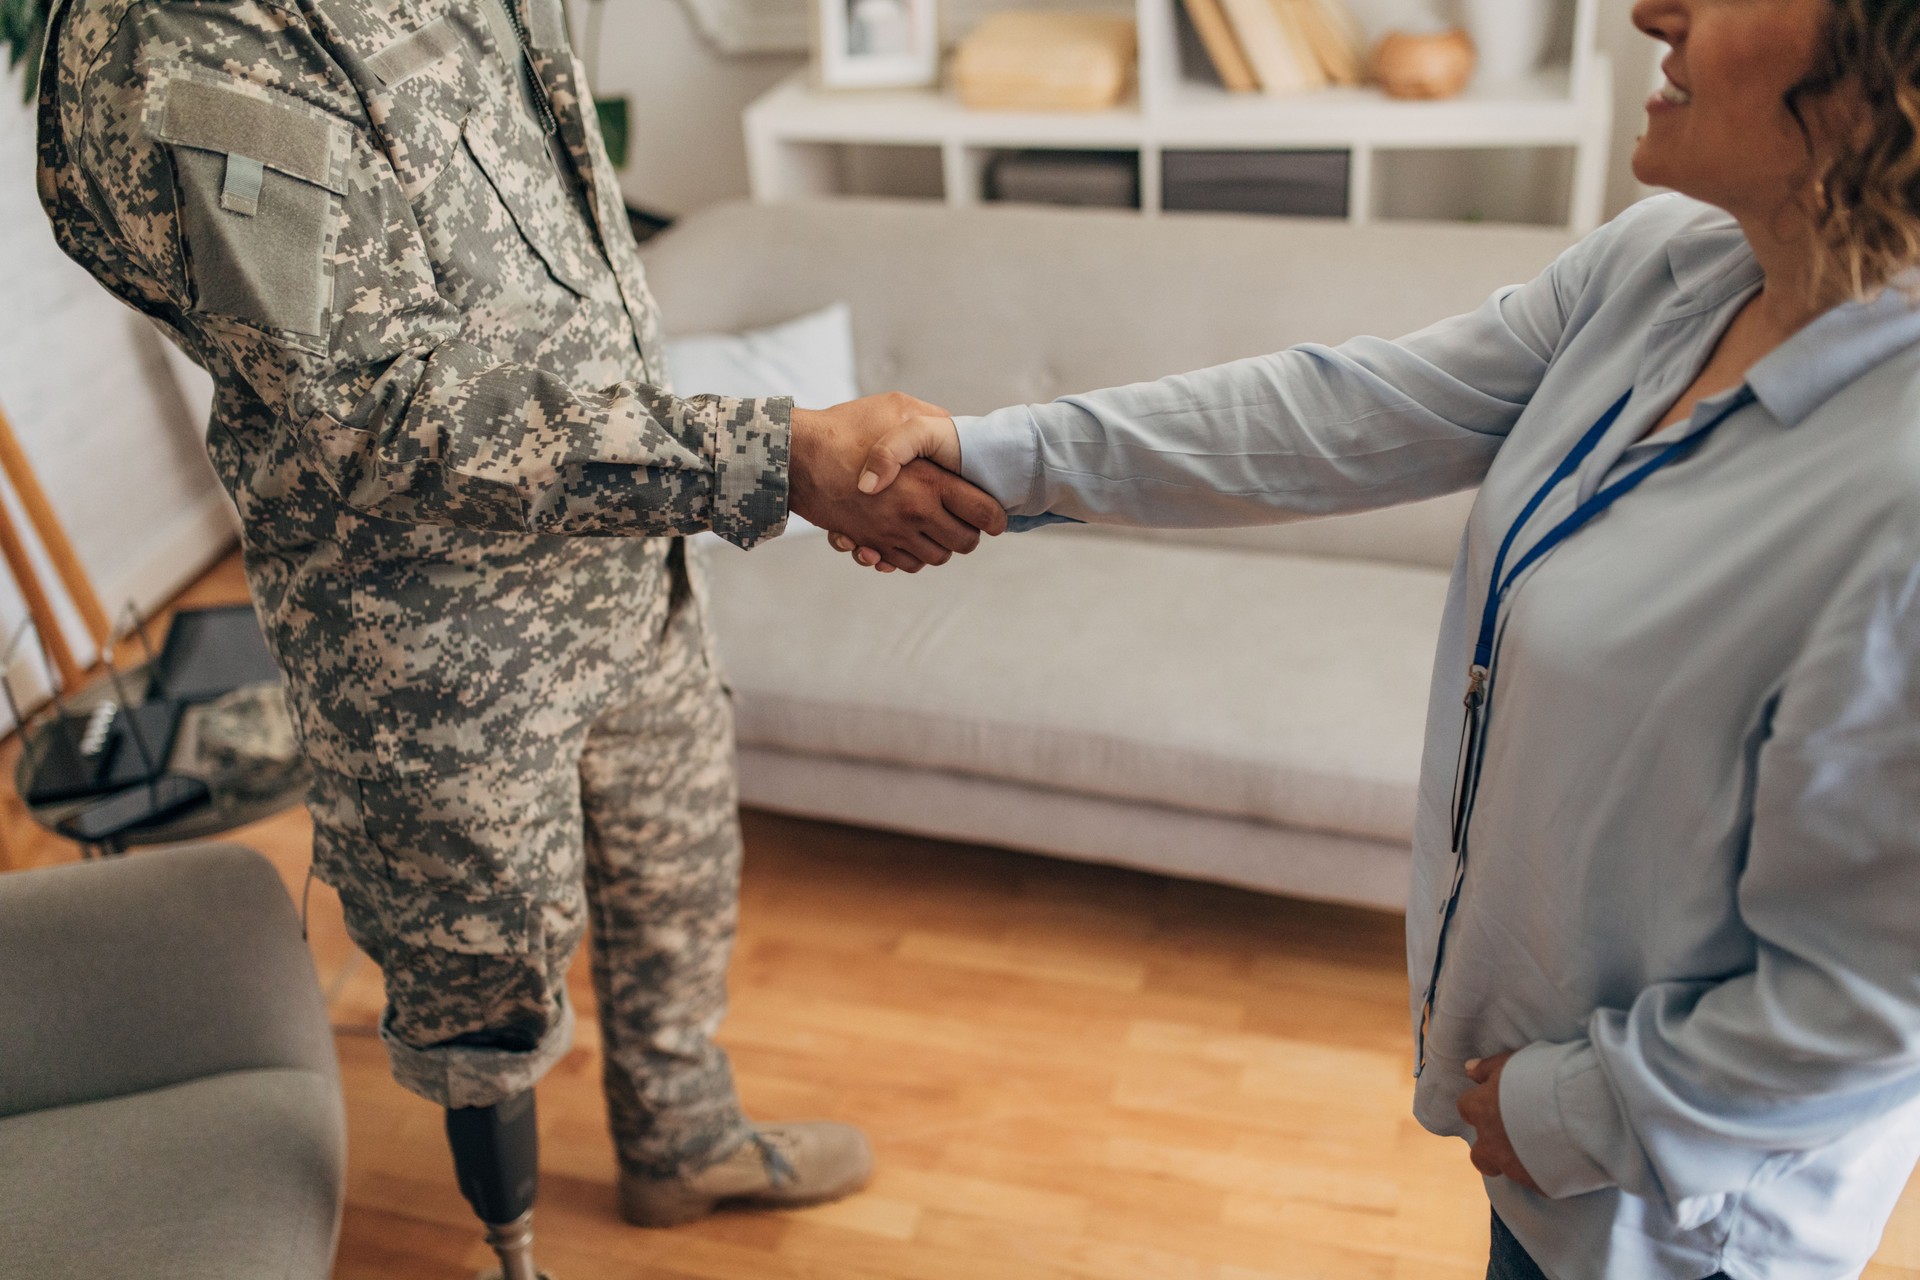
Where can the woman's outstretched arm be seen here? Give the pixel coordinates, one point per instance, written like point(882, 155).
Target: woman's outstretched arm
point(1309, 431)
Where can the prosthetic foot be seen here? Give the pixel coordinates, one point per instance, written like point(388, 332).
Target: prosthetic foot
point(496, 1155)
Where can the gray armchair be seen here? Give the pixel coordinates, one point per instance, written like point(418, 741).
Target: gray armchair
point(169, 1098)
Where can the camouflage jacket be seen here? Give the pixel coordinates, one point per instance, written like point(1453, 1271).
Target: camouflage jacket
point(433, 347)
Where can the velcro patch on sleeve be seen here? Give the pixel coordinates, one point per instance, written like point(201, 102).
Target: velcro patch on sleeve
point(415, 52)
point(232, 121)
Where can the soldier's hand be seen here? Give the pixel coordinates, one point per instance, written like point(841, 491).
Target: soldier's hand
point(925, 517)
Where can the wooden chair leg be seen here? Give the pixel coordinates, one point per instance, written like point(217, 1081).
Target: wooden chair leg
point(53, 538)
point(52, 534)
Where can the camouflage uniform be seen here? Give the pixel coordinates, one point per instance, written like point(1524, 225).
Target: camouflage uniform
point(390, 230)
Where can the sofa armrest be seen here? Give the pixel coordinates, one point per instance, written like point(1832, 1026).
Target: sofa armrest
point(139, 972)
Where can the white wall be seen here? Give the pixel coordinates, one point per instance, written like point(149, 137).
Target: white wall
point(686, 103)
point(86, 385)
point(1635, 66)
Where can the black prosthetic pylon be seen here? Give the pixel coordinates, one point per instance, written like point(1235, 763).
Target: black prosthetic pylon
point(496, 1156)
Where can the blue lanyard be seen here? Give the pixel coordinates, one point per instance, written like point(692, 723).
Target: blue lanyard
point(1483, 646)
point(1480, 673)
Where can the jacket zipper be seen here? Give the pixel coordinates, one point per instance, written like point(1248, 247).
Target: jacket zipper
point(547, 119)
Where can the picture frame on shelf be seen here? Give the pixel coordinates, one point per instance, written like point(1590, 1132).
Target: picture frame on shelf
point(876, 44)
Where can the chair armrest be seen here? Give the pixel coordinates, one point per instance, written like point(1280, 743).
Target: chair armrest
point(139, 972)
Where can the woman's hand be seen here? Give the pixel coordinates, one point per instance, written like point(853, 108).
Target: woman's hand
point(925, 435)
point(1493, 1153)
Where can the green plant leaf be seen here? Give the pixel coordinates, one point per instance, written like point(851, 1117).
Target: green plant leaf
point(617, 127)
point(23, 25)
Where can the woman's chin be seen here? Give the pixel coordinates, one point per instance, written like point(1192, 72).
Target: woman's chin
point(1654, 169)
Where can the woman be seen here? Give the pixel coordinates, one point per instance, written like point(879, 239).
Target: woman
point(1665, 923)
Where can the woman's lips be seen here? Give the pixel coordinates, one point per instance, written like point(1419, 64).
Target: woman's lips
point(1669, 97)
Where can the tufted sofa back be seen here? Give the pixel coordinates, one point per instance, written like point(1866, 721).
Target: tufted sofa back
point(978, 308)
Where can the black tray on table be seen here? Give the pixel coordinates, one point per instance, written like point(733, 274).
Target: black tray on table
point(93, 754)
point(211, 652)
point(208, 653)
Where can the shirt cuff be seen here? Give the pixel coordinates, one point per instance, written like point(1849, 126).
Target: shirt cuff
point(1000, 453)
point(750, 442)
point(1542, 1089)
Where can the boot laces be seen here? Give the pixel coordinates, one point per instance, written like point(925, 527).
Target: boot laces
point(780, 1170)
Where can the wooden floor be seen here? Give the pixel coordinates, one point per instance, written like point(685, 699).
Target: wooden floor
point(1068, 1071)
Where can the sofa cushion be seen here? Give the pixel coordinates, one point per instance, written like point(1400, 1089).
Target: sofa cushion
point(1288, 689)
point(1003, 304)
point(233, 1176)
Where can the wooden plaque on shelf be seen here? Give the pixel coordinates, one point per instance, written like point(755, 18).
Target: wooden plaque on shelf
point(1021, 60)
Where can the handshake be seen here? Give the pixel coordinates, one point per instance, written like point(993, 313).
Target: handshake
point(878, 474)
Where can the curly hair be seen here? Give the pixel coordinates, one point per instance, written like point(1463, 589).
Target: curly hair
point(1865, 200)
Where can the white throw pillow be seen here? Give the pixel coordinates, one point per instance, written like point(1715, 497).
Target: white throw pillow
point(810, 359)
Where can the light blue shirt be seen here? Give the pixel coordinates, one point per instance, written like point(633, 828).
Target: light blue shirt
point(1693, 895)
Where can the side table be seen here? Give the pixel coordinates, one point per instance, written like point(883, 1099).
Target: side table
point(224, 809)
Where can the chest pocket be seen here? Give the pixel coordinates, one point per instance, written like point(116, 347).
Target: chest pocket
point(509, 245)
point(525, 178)
point(259, 179)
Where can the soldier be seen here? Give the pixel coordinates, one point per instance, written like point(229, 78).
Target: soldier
point(390, 231)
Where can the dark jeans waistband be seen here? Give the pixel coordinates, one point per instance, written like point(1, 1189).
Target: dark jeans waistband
point(1509, 1260)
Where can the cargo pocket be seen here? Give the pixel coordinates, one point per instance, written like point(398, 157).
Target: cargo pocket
point(436, 876)
point(260, 178)
point(471, 936)
point(461, 924)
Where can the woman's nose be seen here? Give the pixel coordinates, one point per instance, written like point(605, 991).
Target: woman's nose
point(1664, 20)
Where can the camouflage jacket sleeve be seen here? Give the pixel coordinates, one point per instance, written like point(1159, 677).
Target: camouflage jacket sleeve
point(224, 168)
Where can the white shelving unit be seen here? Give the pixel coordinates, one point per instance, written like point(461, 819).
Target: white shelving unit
point(797, 135)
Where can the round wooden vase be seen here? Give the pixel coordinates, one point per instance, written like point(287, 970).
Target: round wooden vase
point(1411, 65)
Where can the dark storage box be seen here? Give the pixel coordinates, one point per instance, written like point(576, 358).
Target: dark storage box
point(1103, 179)
point(1301, 184)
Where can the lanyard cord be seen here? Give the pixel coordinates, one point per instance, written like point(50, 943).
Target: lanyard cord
point(1483, 647)
point(1479, 675)
point(1586, 511)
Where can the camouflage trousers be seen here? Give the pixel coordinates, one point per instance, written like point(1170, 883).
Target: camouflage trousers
point(472, 889)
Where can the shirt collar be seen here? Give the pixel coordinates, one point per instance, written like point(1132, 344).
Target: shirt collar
point(1809, 368)
point(1713, 266)
point(1710, 267)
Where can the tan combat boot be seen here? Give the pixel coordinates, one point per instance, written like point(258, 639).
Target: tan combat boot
point(783, 1166)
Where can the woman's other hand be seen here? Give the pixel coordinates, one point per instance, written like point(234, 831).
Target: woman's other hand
point(1493, 1153)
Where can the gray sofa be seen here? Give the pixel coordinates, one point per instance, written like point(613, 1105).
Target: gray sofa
point(169, 1099)
point(1235, 705)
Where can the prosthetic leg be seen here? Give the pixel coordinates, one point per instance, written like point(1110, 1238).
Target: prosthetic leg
point(496, 1155)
